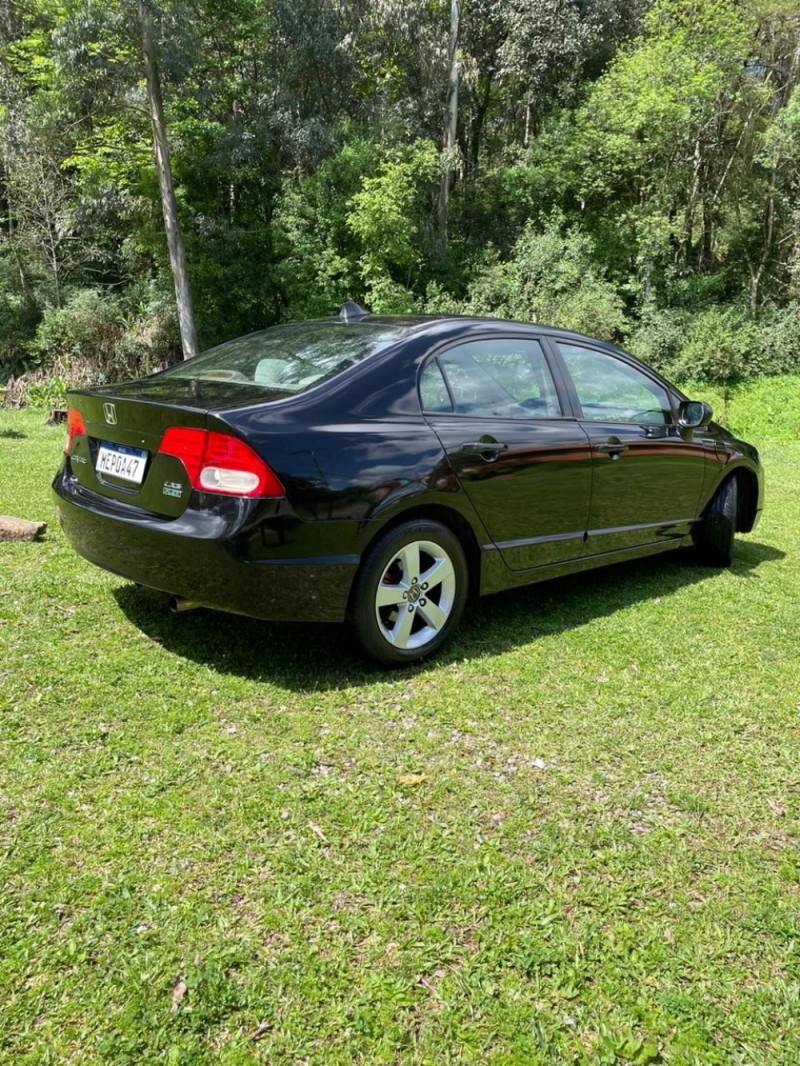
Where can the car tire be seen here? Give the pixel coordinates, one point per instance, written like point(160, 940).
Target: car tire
point(400, 616)
point(713, 536)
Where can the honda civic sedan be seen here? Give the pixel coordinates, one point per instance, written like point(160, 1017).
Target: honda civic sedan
point(384, 470)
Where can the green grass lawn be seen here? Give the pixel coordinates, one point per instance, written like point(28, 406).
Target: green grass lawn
point(573, 837)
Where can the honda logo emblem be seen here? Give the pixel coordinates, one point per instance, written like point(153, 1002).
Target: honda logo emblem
point(110, 413)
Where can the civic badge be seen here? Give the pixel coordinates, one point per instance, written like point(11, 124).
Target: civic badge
point(110, 413)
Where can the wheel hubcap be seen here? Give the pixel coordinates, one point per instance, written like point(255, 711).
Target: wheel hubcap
point(415, 595)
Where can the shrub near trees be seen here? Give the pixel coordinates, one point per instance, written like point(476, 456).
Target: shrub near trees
point(624, 169)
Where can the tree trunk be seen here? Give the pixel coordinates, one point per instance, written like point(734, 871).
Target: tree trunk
point(483, 98)
point(169, 207)
point(451, 122)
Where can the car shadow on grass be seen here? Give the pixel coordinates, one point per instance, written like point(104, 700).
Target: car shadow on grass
point(307, 657)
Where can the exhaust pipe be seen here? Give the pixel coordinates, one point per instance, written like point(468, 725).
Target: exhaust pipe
point(177, 604)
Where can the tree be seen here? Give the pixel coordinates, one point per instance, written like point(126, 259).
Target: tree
point(41, 203)
point(658, 140)
point(169, 206)
point(387, 216)
point(451, 121)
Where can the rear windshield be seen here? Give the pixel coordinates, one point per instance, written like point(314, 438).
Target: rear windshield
point(289, 358)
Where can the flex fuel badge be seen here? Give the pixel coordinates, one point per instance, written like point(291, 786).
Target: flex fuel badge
point(173, 488)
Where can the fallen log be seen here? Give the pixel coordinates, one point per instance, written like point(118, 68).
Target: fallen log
point(20, 529)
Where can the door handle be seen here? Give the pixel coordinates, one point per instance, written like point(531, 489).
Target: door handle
point(492, 448)
point(614, 448)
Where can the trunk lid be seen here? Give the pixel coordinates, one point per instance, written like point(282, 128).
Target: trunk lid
point(118, 456)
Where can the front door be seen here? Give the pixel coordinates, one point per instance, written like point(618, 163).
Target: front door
point(647, 470)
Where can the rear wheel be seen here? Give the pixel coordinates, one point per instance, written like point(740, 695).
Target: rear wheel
point(713, 535)
point(410, 592)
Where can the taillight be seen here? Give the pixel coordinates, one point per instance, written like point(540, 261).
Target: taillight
point(75, 428)
point(216, 462)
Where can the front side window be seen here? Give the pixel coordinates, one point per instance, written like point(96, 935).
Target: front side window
point(610, 390)
point(498, 378)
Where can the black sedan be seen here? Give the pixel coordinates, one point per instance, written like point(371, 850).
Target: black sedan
point(383, 470)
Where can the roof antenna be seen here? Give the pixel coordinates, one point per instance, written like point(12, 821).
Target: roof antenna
point(351, 312)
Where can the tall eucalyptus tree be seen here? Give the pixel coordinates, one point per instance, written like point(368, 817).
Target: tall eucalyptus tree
point(169, 207)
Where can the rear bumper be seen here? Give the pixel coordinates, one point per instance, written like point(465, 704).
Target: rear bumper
point(212, 558)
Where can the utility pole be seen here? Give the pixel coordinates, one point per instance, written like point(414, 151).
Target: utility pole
point(177, 258)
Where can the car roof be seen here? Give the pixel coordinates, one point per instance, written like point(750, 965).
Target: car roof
point(443, 325)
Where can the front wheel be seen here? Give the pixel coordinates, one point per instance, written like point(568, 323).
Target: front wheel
point(713, 535)
point(410, 592)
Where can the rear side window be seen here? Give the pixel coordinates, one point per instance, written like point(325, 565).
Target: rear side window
point(433, 391)
point(610, 390)
point(497, 378)
point(289, 358)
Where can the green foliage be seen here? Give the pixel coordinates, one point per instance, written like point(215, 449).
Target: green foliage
point(19, 313)
point(766, 409)
point(49, 394)
point(551, 277)
point(657, 95)
point(782, 139)
point(659, 336)
point(88, 327)
point(102, 337)
point(662, 137)
point(718, 348)
point(318, 251)
point(778, 348)
point(391, 217)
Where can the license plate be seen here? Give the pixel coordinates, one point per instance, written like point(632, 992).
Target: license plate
point(117, 460)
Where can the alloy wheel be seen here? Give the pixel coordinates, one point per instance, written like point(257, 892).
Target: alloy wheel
point(416, 595)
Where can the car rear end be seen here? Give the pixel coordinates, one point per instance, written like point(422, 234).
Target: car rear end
point(169, 495)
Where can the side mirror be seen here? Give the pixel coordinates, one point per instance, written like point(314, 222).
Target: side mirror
point(694, 414)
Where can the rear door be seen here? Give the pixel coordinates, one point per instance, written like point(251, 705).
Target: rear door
point(647, 470)
point(495, 405)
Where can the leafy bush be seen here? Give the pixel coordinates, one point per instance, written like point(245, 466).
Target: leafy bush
point(551, 278)
point(152, 336)
point(659, 337)
point(95, 338)
point(438, 301)
point(778, 347)
point(105, 337)
point(50, 393)
point(88, 328)
point(721, 345)
point(388, 297)
point(45, 389)
point(725, 345)
point(719, 348)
